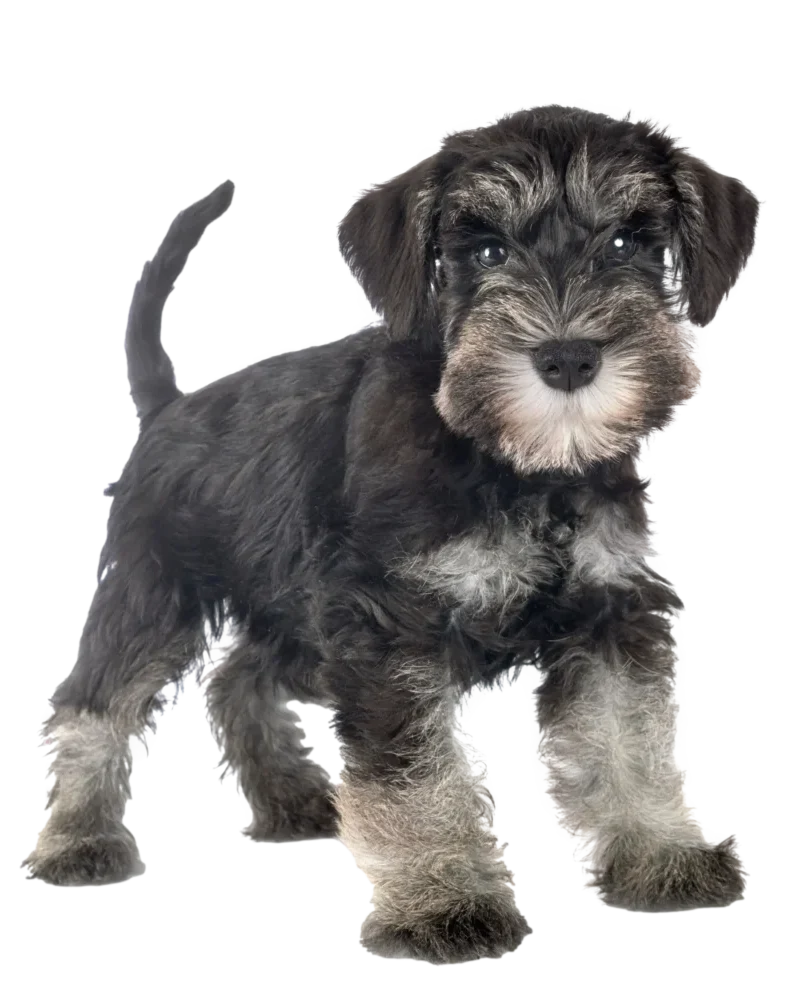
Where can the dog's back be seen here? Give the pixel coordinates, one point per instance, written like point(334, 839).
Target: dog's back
point(231, 468)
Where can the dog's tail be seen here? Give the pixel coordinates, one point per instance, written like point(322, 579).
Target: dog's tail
point(150, 371)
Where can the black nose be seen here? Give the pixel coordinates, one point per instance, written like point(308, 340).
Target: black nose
point(568, 364)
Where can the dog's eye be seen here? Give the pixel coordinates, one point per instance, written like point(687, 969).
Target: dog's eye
point(621, 246)
point(492, 254)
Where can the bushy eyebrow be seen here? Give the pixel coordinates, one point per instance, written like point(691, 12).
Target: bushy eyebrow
point(596, 192)
point(600, 191)
point(503, 195)
point(462, 222)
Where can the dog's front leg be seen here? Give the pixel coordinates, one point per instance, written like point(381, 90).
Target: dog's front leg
point(418, 822)
point(608, 718)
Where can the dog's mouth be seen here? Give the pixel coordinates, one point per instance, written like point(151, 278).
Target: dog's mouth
point(543, 413)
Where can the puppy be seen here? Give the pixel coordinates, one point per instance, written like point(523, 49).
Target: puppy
point(388, 520)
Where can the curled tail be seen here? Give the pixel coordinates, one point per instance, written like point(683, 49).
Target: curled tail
point(150, 371)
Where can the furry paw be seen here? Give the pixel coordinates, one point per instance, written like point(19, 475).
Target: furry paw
point(63, 859)
point(309, 817)
point(673, 878)
point(478, 929)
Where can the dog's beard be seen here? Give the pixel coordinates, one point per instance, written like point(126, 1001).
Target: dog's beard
point(542, 427)
point(496, 396)
point(491, 391)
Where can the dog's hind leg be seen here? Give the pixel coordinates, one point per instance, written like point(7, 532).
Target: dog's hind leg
point(142, 633)
point(291, 797)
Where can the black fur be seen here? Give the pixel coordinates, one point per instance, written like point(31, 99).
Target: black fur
point(150, 371)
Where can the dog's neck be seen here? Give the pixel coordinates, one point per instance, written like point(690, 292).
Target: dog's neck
point(500, 493)
point(614, 479)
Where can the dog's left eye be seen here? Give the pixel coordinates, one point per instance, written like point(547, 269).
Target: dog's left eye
point(492, 254)
point(621, 246)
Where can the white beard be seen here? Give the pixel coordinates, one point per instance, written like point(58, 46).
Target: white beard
point(549, 428)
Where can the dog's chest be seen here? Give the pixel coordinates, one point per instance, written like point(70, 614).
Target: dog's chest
point(483, 573)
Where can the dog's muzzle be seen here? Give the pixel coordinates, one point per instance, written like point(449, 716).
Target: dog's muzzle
point(568, 364)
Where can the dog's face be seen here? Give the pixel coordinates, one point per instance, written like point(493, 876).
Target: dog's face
point(551, 256)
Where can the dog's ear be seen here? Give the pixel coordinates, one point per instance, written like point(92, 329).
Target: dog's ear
point(714, 234)
point(387, 240)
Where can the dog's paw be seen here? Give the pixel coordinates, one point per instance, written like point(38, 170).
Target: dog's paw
point(66, 860)
point(477, 929)
point(677, 877)
point(310, 817)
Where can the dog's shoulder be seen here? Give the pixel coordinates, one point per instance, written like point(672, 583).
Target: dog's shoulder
point(394, 437)
point(392, 410)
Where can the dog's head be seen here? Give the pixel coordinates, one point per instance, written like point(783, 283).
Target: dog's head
point(553, 256)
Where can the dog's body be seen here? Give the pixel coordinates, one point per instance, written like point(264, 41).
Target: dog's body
point(391, 519)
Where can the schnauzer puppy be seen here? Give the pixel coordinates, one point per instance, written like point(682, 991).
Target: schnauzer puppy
point(388, 520)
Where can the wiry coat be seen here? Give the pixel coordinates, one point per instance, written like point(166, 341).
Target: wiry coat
point(396, 517)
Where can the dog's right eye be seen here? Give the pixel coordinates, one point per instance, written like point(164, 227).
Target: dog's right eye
point(492, 254)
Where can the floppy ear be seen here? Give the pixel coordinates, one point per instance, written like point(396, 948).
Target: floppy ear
point(387, 241)
point(715, 232)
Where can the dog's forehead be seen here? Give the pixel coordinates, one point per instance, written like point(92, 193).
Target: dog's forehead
point(597, 183)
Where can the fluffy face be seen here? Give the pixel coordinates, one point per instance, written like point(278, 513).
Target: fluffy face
point(555, 232)
point(578, 255)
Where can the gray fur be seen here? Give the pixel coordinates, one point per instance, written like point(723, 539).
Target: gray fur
point(423, 838)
